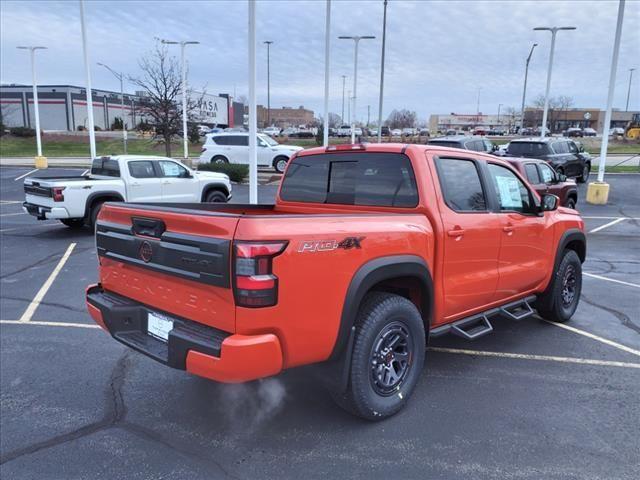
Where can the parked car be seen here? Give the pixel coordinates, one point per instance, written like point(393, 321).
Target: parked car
point(589, 132)
point(396, 132)
point(373, 132)
point(566, 156)
point(408, 131)
point(76, 200)
point(616, 132)
point(234, 148)
point(302, 134)
point(386, 132)
point(526, 132)
point(573, 132)
point(203, 130)
point(271, 131)
point(545, 179)
point(480, 131)
point(344, 131)
point(424, 132)
point(466, 143)
point(414, 241)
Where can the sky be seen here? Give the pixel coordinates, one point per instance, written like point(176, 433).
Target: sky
point(438, 55)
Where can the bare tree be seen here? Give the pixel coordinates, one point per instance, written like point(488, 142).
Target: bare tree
point(401, 119)
point(334, 120)
point(161, 82)
point(242, 99)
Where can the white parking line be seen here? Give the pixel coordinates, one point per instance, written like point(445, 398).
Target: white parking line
point(524, 356)
point(600, 277)
point(28, 313)
point(11, 214)
point(28, 226)
point(84, 173)
point(609, 218)
point(9, 202)
point(50, 324)
point(607, 225)
point(22, 176)
point(611, 343)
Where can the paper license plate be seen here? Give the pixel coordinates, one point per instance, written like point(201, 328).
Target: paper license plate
point(159, 326)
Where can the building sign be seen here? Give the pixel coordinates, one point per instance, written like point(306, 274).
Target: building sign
point(211, 109)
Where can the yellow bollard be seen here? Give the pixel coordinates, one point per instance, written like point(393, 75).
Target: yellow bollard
point(598, 193)
point(41, 162)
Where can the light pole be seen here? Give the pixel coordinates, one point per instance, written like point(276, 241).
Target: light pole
point(478, 106)
point(327, 50)
point(499, 107)
point(384, 41)
point(356, 39)
point(349, 108)
point(88, 90)
point(344, 77)
point(184, 91)
point(253, 121)
point(629, 89)
point(120, 76)
point(524, 90)
point(32, 51)
point(268, 44)
point(553, 31)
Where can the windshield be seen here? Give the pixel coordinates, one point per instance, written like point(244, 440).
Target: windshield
point(528, 149)
point(268, 140)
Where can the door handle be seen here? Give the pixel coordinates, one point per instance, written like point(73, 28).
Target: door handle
point(166, 182)
point(458, 232)
point(508, 229)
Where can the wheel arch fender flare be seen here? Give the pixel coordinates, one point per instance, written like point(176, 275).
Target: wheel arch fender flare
point(213, 186)
point(106, 195)
point(370, 274)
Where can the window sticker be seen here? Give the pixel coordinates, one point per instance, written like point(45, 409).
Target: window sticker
point(509, 192)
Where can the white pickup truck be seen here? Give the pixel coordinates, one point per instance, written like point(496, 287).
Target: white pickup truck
point(76, 200)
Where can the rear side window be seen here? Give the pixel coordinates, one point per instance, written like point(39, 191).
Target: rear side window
point(445, 143)
point(239, 140)
point(371, 179)
point(548, 175)
point(220, 140)
point(528, 149)
point(561, 147)
point(461, 185)
point(105, 166)
point(532, 173)
point(142, 169)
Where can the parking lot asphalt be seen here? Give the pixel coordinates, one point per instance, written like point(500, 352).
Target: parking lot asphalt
point(531, 401)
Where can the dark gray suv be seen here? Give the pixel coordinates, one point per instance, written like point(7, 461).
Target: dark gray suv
point(565, 156)
point(476, 144)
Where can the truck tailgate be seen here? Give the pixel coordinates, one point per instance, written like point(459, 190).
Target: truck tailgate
point(179, 263)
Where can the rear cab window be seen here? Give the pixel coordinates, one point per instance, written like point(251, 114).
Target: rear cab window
point(106, 167)
point(461, 185)
point(350, 178)
point(528, 149)
point(141, 169)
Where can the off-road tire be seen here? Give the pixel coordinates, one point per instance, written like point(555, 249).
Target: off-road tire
point(553, 304)
point(73, 222)
point(215, 196)
point(380, 315)
point(571, 203)
point(93, 215)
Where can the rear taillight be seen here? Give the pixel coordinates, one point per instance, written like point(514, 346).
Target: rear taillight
point(57, 194)
point(255, 283)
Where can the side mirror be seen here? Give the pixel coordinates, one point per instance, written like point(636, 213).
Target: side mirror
point(494, 148)
point(562, 177)
point(549, 202)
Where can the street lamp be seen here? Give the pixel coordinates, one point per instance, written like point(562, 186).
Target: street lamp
point(629, 89)
point(120, 76)
point(184, 91)
point(356, 40)
point(268, 44)
point(553, 31)
point(524, 90)
point(499, 107)
point(32, 51)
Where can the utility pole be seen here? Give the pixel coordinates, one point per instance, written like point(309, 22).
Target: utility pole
point(478, 106)
point(524, 90)
point(349, 107)
point(368, 114)
point(39, 160)
point(554, 31)
point(384, 41)
point(253, 121)
point(629, 89)
point(356, 40)
point(268, 44)
point(499, 107)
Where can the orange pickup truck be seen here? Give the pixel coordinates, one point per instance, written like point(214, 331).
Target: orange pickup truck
point(369, 251)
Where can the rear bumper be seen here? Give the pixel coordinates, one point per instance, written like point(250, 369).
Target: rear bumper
point(199, 349)
point(44, 213)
